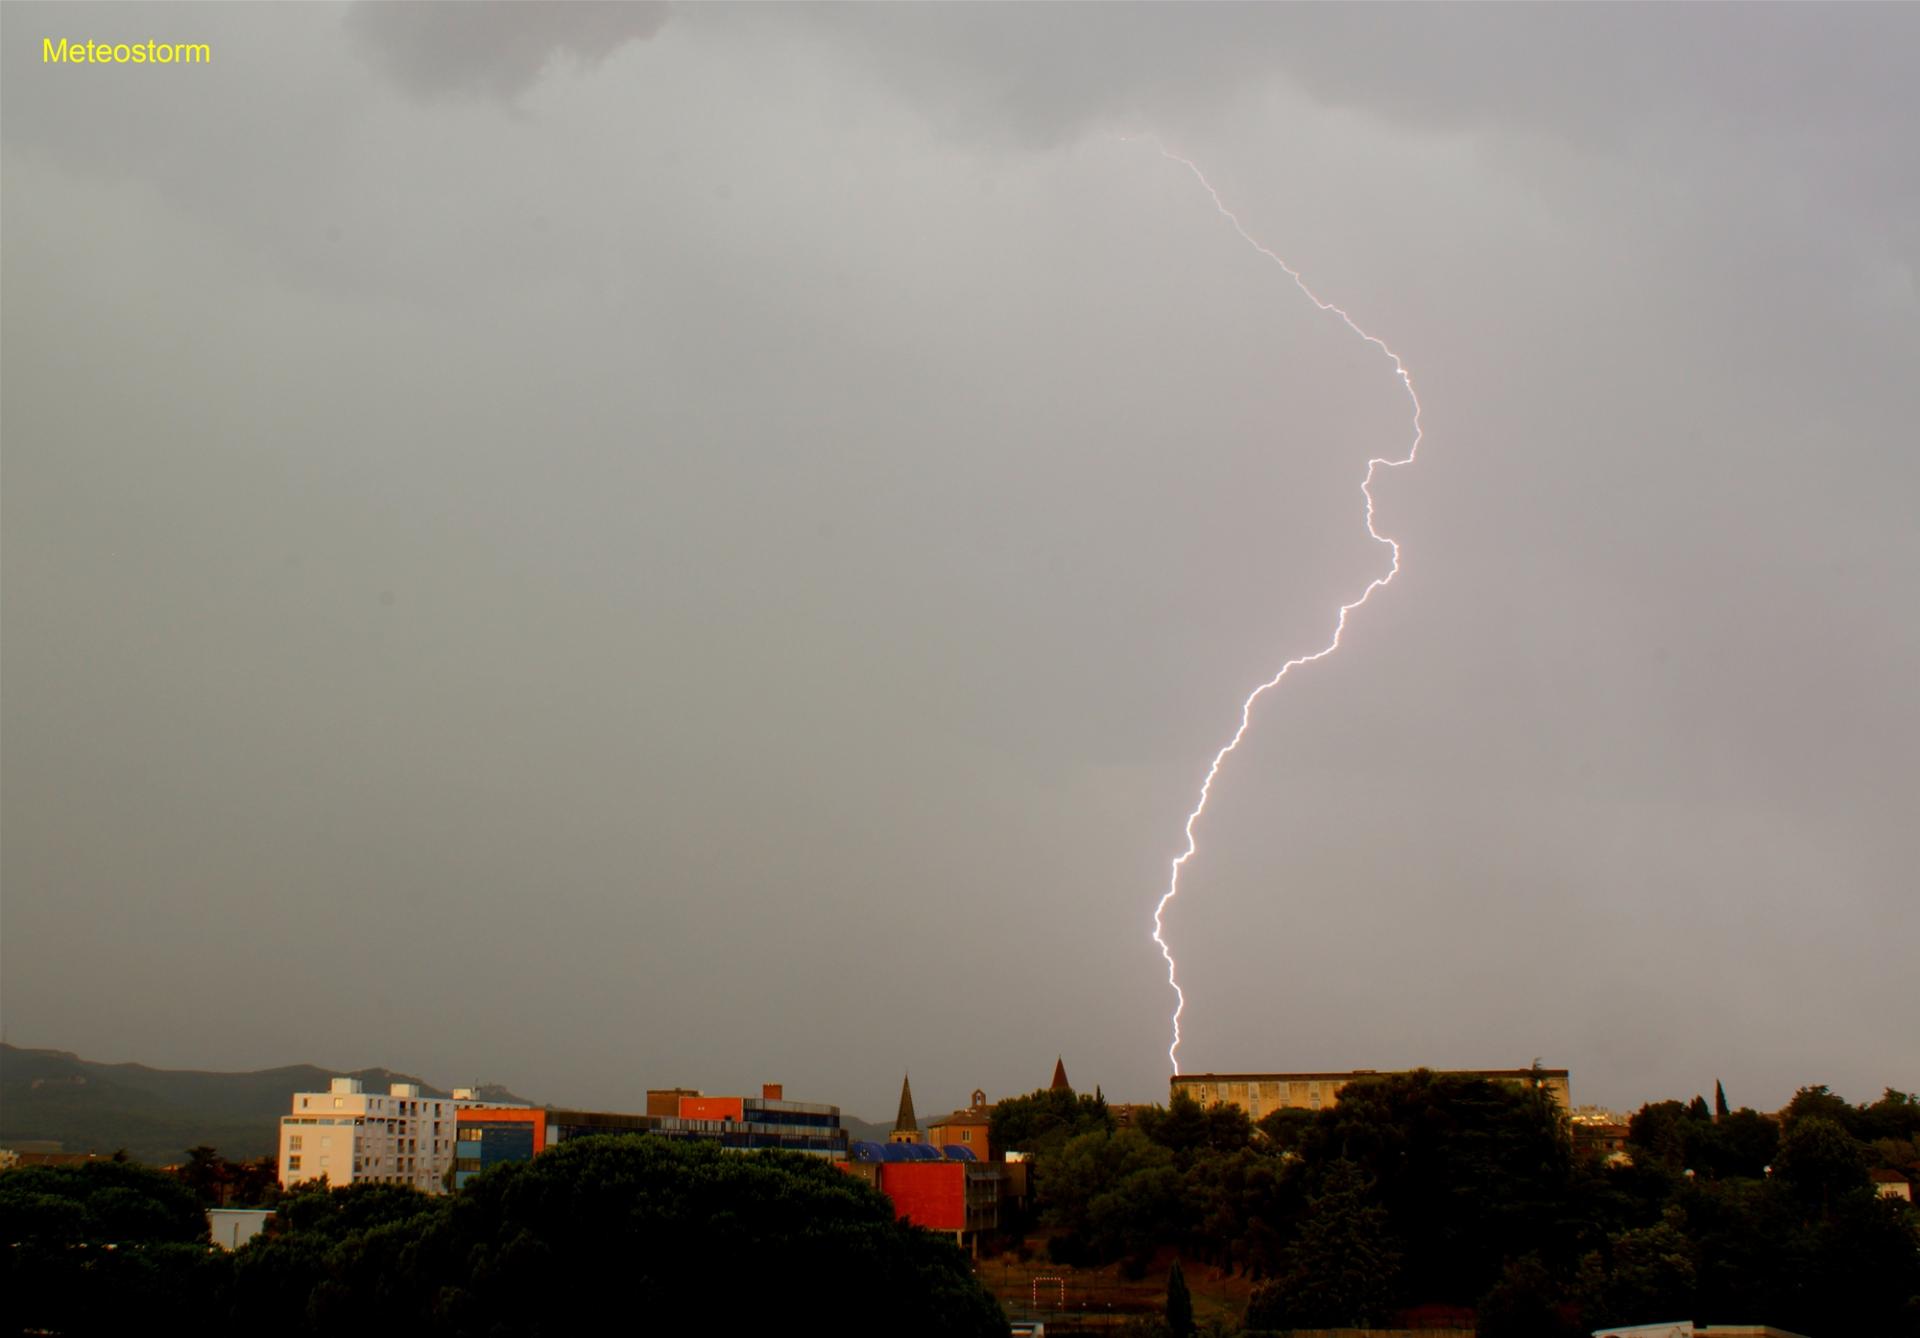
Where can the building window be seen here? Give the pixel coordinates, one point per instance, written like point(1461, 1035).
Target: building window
point(293, 1142)
point(293, 1164)
point(339, 1103)
point(966, 1135)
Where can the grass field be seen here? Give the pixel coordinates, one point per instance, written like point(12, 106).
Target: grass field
point(1073, 1300)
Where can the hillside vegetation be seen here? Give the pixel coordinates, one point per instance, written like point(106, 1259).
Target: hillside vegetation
point(155, 1115)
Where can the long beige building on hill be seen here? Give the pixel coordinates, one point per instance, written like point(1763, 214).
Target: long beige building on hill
point(1263, 1093)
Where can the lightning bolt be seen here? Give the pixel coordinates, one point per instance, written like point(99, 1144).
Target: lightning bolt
point(1340, 623)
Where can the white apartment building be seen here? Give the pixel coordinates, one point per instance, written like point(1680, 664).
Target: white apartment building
point(347, 1135)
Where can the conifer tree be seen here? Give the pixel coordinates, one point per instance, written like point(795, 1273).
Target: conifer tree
point(1179, 1303)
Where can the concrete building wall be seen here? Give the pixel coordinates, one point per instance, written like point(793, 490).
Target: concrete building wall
point(230, 1228)
point(348, 1135)
point(666, 1100)
point(1260, 1094)
point(320, 1147)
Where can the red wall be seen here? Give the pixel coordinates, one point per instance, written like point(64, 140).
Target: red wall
point(927, 1193)
point(711, 1107)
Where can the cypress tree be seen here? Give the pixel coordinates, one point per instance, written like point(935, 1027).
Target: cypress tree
point(1179, 1303)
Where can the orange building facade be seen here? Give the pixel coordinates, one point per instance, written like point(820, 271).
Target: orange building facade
point(488, 1135)
point(967, 1128)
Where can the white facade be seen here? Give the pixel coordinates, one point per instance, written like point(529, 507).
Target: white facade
point(231, 1228)
point(348, 1136)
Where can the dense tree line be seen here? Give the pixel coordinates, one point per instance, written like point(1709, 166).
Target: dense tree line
point(649, 1233)
point(1424, 1190)
point(1041, 1122)
point(1413, 1190)
point(105, 1247)
point(219, 1183)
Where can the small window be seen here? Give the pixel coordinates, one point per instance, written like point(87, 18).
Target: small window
point(293, 1163)
point(293, 1142)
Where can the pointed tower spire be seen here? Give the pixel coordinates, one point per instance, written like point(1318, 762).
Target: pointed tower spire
point(1060, 1083)
point(906, 1129)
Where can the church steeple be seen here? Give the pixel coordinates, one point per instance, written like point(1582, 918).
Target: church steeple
point(1060, 1083)
point(906, 1129)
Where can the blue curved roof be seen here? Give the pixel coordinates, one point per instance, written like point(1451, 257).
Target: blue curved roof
point(897, 1152)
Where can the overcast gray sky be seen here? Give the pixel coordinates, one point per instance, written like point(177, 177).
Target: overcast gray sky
point(603, 547)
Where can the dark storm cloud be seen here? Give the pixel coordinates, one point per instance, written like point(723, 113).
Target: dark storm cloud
point(1581, 71)
point(1811, 94)
point(493, 50)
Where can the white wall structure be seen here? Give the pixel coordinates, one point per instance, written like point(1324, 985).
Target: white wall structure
point(347, 1136)
point(230, 1228)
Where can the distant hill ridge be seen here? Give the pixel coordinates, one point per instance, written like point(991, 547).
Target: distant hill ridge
point(157, 1114)
point(868, 1131)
